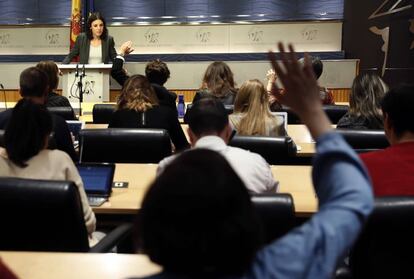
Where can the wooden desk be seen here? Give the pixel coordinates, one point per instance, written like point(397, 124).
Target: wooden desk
point(293, 179)
point(78, 265)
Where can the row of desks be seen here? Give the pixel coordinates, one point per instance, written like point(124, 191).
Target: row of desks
point(295, 180)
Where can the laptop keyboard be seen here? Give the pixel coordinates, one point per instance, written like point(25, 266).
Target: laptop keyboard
point(96, 201)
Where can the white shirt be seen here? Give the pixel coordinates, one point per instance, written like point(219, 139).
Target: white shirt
point(95, 54)
point(252, 168)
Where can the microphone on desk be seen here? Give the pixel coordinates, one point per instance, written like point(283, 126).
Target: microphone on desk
point(83, 70)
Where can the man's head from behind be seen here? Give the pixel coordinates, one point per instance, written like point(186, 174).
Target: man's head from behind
point(317, 65)
point(208, 117)
point(157, 72)
point(398, 110)
point(197, 218)
point(34, 84)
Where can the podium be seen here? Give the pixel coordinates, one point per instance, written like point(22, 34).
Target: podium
point(95, 82)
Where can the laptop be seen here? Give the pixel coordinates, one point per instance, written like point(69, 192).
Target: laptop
point(97, 180)
point(283, 116)
point(75, 127)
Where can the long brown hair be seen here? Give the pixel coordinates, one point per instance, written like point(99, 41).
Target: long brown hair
point(52, 71)
point(137, 94)
point(252, 100)
point(218, 79)
point(366, 95)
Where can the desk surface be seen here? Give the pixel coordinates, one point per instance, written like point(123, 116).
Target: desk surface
point(293, 179)
point(78, 265)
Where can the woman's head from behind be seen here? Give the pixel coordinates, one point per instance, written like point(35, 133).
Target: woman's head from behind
point(96, 25)
point(27, 132)
point(197, 217)
point(252, 99)
point(367, 92)
point(218, 79)
point(137, 94)
point(52, 72)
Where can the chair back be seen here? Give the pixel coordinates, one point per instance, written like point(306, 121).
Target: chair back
point(386, 244)
point(365, 140)
point(66, 113)
point(41, 215)
point(102, 113)
point(335, 112)
point(276, 212)
point(275, 150)
point(115, 145)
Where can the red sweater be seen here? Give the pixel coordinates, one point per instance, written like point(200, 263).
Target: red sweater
point(392, 169)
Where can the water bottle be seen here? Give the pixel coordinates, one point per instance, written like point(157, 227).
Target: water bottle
point(181, 106)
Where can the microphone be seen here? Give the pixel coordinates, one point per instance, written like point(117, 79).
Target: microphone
point(4, 93)
point(83, 70)
point(77, 70)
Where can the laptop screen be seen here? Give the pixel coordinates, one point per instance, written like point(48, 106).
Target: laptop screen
point(97, 178)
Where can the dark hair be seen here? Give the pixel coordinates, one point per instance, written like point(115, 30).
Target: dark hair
point(92, 18)
point(207, 115)
point(218, 79)
point(52, 72)
point(26, 132)
point(33, 82)
point(199, 222)
point(157, 72)
point(398, 104)
point(317, 66)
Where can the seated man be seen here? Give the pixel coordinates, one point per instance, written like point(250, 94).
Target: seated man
point(197, 220)
point(34, 86)
point(392, 169)
point(209, 128)
point(156, 71)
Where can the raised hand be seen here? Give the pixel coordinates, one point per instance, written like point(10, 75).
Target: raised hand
point(301, 92)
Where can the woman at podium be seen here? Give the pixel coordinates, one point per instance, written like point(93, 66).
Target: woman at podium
point(95, 46)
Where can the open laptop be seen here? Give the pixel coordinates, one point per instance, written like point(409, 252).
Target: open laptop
point(74, 127)
point(283, 116)
point(97, 180)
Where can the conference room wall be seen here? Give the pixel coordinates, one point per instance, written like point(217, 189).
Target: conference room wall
point(188, 75)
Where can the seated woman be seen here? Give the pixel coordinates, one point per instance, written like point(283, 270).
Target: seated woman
point(218, 83)
point(26, 154)
point(251, 115)
point(53, 99)
point(138, 107)
point(365, 104)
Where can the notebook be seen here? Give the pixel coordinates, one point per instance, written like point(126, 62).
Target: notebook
point(97, 180)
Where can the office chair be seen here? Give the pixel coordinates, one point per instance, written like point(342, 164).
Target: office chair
point(116, 145)
point(276, 212)
point(275, 150)
point(42, 215)
point(335, 112)
point(102, 113)
point(386, 245)
point(66, 113)
point(365, 140)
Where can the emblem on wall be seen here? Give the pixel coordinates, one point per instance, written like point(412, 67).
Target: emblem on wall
point(203, 35)
point(152, 36)
point(382, 11)
point(255, 34)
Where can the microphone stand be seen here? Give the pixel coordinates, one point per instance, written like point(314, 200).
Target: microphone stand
point(80, 86)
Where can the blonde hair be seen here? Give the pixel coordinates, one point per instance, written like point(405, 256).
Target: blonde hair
point(252, 100)
point(137, 94)
point(366, 96)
